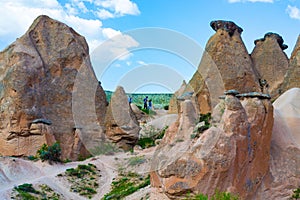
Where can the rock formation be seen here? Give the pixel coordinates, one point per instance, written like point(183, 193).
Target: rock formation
point(291, 78)
point(270, 62)
point(174, 103)
point(122, 126)
point(230, 157)
point(225, 65)
point(41, 73)
point(284, 175)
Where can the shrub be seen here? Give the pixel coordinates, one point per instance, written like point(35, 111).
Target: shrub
point(26, 187)
point(206, 118)
point(296, 194)
point(50, 153)
point(32, 158)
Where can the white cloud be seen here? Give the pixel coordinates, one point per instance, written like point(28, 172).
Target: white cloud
point(119, 7)
point(104, 14)
point(18, 15)
point(110, 33)
point(252, 1)
point(140, 62)
point(293, 12)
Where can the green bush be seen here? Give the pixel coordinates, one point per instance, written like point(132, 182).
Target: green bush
point(50, 153)
point(296, 194)
point(206, 118)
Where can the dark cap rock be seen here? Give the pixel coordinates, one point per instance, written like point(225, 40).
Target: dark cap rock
point(255, 94)
point(231, 92)
point(228, 26)
point(276, 37)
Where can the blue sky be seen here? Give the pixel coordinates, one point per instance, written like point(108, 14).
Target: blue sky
point(110, 29)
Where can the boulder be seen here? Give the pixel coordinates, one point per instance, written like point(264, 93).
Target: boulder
point(291, 78)
point(46, 74)
point(231, 157)
point(122, 126)
point(225, 65)
point(270, 63)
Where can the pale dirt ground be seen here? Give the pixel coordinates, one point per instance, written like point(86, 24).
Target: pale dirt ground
point(16, 171)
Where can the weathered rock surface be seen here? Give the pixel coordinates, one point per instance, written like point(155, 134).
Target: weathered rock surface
point(230, 157)
point(174, 103)
point(40, 74)
point(225, 65)
point(291, 78)
point(122, 126)
point(270, 62)
point(284, 175)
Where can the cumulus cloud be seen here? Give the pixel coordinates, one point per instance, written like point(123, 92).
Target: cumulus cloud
point(253, 1)
point(18, 15)
point(104, 14)
point(119, 7)
point(293, 12)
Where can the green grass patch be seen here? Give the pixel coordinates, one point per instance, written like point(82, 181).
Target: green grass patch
point(216, 196)
point(26, 191)
point(137, 160)
point(83, 179)
point(151, 134)
point(127, 184)
point(105, 148)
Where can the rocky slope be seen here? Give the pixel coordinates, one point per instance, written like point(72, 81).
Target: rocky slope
point(46, 79)
point(233, 156)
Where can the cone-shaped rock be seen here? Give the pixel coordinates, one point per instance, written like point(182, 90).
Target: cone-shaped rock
point(291, 78)
point(40, 74)
point(225, 64)
point(270, 62)
point(122, 126)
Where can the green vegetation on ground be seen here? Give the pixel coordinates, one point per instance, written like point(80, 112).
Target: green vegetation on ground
point(126, 184)
point(26, 191)
point(105, 148)
point(83, 179)
point(159, 100)
point(206, 118)
point(151, 134)
point(216, 196)
point(137, 160)
point(50, 153)
point(296, 194)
